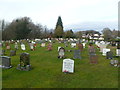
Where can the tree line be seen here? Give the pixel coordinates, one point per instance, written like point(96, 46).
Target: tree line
point(24, 28)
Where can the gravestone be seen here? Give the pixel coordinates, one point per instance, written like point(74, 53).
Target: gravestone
point(5, 62)
point(93, 58)
point(91, 50)
point(80, 46)
point(114, 62)
point(84, 45)
point(12, 52)
point(77, 54)
point(109, 55)
point(61, 53)
point(16, 45)
point(49, 47)
point(105, 50)
point(8, 47)
point(31, 46)
point(73, 45)
point(102, 46)
point(117, 52)
point(68, 66)
point(59, 48)
point(3, 52)
point(24, 62)
point(66, 44)
point(42, 44)
point(23, 46)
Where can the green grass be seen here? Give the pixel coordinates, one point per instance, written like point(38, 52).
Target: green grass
point(47, 71)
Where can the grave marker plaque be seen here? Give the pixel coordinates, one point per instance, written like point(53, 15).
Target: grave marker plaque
point(68, 66)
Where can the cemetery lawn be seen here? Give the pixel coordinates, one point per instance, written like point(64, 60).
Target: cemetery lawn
point(47, 71)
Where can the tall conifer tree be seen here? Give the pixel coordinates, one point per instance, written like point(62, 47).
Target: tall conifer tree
point(59, 28)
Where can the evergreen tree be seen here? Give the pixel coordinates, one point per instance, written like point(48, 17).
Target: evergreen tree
point(59, 28)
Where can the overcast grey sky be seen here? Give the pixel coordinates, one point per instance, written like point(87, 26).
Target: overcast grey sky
point(72, 12)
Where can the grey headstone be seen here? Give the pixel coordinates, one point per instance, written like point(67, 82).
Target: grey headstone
point(109, 55)
point(77, 54)
point(5, 62)
point(3, 52)
point(12, 52)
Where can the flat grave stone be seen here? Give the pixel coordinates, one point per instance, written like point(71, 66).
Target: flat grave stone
point(77, 54)
point(5, 62)
point(68, 66)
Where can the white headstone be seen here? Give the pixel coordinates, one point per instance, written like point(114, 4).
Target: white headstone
point(22, 46)
point(105, 50)
point(43, 45)
point(73, 45)
point(117, 52)
point(68, 65)
point(84, 45)
point(59, 48)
